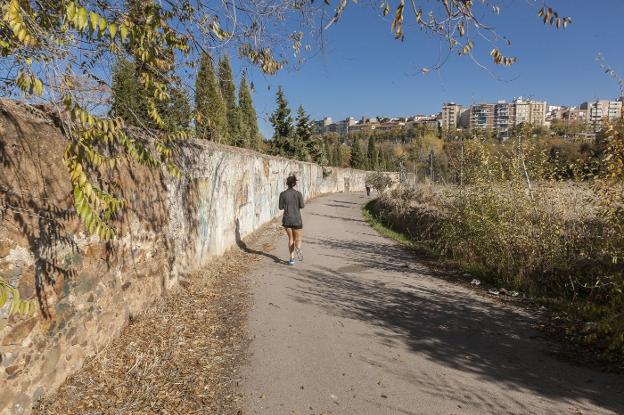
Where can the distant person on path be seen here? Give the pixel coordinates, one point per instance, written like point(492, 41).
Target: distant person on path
point(367, 189)
point(291, 201)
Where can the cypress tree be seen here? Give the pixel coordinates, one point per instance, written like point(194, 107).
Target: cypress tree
point(328, 153)
point(337, 155)
point(357, 157)
point(130, 100)
point(319, 154)
point(282, 142)
point(373, 155)
point(128, 97)
point(228, 92)
point(249, 119)
point(178, 112)
point(211, 119)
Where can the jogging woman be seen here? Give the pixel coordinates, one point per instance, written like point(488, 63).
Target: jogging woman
point(291, 201)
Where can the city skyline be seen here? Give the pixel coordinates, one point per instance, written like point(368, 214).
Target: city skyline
point(358, 117)
point(351, 75)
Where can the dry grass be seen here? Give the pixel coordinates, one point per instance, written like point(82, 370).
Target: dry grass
point(551, 243)
point(181, 356)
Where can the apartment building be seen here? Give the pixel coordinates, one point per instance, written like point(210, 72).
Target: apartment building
point(321, 126)
point(530, 112)
point(572, 114)
point(326, 125)
point(602, 110)
point(464, 119)
point(538, 112)
point(481, 117)
point(504, 118)
point(450, 116)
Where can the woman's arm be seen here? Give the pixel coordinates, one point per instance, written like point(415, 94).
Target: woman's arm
point(281, 201)
point(301, 204)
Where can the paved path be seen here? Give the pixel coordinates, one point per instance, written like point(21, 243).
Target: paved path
point(352, 330)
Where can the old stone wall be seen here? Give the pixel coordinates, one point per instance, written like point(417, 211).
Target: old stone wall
point(89, 289)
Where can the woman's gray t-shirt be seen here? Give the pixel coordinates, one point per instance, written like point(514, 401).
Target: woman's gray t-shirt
point(291, 201)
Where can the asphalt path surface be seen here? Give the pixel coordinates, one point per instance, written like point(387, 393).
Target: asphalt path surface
point(361, 327)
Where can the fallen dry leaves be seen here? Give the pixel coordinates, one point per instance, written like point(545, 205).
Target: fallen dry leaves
point(181, 356)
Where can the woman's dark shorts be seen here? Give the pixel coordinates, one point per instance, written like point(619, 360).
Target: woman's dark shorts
point(293, 226)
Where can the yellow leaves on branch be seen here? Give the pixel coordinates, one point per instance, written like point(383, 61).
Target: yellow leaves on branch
point(80, 19)
point(551, 17)
point(218, 32)
point(29, 84)
point(18, 306)
point(467, 48)
point(263, 58)
point(14, 19)
point(500, 59)
point(397, 22)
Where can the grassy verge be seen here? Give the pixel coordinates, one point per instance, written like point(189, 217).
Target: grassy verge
point(571, 321)
point(382, 229)
point(421, 248)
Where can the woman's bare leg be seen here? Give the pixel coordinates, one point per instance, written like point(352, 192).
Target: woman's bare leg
point(291, 241)
point(297, 234)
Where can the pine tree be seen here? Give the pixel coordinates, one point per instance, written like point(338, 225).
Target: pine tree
point(373, 155)
point(282, 142)
point(357, 157)
point(249, 119)
point(211, 119)
point(303, 131)
point(228, 92)
point(312, 146)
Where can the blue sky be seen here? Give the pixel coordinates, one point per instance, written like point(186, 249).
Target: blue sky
point(363, 70)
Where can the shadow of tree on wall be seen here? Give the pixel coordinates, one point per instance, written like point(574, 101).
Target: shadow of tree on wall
point(36, 205)
point(451, 328)
point(31, 207)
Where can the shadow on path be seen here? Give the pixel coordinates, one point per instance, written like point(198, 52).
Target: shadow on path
point(243, 246)
point(450, 326)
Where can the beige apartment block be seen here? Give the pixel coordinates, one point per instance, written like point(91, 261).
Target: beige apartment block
point(537, 110)
point(530, 112)
point(450, 116)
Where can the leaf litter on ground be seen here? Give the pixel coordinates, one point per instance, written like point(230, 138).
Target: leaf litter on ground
point(180, 356)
